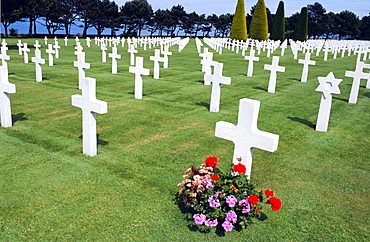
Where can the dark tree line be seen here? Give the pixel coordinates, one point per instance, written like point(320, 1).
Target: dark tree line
point(137, 15)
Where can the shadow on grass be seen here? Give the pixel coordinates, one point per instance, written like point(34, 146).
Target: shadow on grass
point(366, 94)
point(100, 141)
point(201, 81)
point(295, 79)
point(302, 121)
point(260, 88)
point(206, 105)
point(18, 117)
point(340, 99)
point(132, 93)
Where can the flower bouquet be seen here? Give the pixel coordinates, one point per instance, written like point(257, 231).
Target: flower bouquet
point(212, 198)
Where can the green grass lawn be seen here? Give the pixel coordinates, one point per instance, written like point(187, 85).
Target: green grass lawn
point(50, 191)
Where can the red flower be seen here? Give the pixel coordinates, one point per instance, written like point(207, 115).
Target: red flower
point(211, 161)
point(215, 177)
point(240, 168)
point(257, 210)
point(253, 199)
point(269, 193)
point(275, 203)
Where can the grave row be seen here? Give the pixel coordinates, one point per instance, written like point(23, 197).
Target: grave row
point(245, 134)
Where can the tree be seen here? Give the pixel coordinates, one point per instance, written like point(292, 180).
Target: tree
point(317, 20)
point(300, 32)
point(364, 28)
point(259, 24)
point(346, 24)
point(278, 25)
point(223, 24)
point(137, 14)
point(239, 25)
point(69, 13)
point(11, 12)
point(51, 13)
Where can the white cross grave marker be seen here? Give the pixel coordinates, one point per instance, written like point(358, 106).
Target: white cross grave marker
point(132, 52)
point(90, 106)
point(50, 51)
point(46, 40)
point(88, 41)
point(56, 48)
point(306, 62)
point(251, 58)
point(114, 57)
point(246, 135)
point(6, 88)
point(357, 76)
point(25, 50)
point(165, 54)
point(19, 44)
point(216, 80)
point(139, 70)
point(81, 65)
point(328, 86)
point(273, 68)
point(38, 61)
point(156, 58)
point(65, 41)
point(207, 64)
point(103, 48)
point(4, 57)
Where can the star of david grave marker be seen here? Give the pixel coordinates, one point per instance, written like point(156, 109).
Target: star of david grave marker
point(328, 86)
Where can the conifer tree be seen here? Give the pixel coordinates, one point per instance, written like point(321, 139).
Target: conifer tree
point(301, 30)
point(239, 26)
point(259, 24)
point(278, 25)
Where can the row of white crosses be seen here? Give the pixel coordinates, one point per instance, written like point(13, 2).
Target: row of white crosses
point(88, 102)
point(216, 78)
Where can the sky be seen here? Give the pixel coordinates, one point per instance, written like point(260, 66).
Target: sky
point(359, 7)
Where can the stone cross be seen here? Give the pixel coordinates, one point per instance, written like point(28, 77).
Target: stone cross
point(357, 75)
point(283, 46)
point(216, 80)
point(81, 65)
point(305, 63)
point(6, 88)
point(326, 51)
point(46, 40)
point(328, 86)
point(19, 44)
point(103, 48)
point(25, 50)
point(4, 57)
point(246, 135)
point(90, 106)
point(273, 68)
point(114, 57)
point(165, 54)
point(88, 40)
point(132, 51)
point(56, 48)
point(37, 44)
point(38, 61)
point(207, 64)
point(50, 51)
point(156, 58)
point(139, 70)
point(65, 41)
point(251, 58)
point(367, 66)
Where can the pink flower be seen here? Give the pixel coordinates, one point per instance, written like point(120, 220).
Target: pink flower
point(199, 218)
point(227, 226)
point(211, 223)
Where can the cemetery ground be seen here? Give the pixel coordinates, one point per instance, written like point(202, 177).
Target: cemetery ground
point(49, 190)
